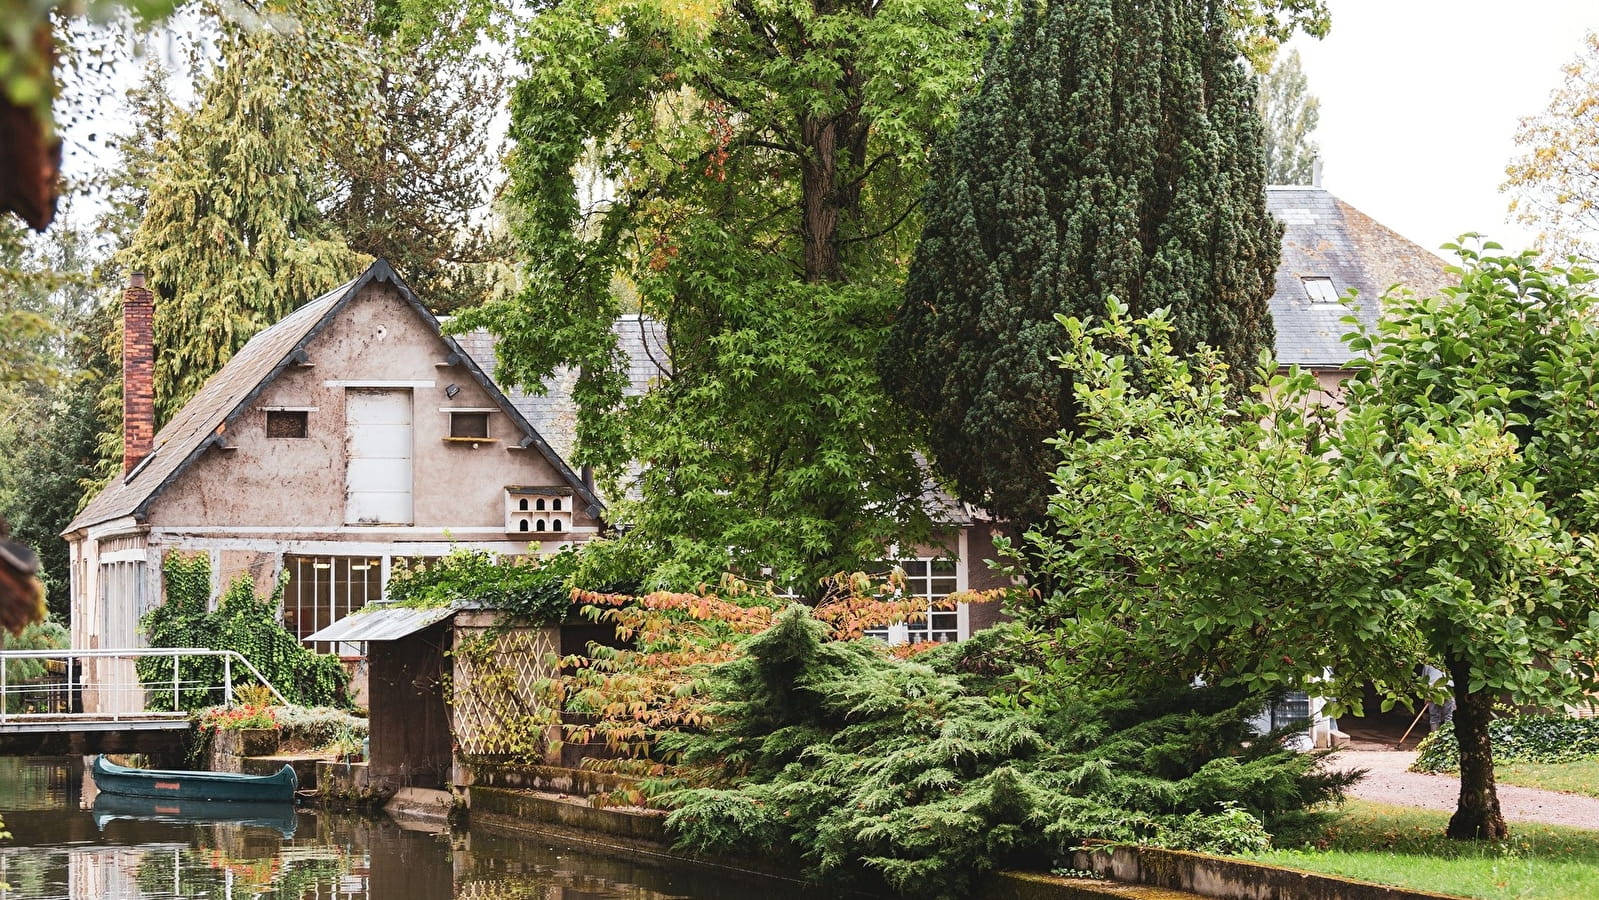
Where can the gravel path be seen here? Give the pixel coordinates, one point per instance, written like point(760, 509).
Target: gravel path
point(1388, 781)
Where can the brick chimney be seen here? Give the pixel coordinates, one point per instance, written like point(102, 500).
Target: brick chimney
point(138, 372)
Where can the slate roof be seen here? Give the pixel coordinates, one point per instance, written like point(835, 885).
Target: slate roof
point(1326, 237)
point(640, 339)
point(204, 420)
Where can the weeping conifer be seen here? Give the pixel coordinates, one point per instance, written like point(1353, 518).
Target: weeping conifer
point(1113, 148)
point(232, 236)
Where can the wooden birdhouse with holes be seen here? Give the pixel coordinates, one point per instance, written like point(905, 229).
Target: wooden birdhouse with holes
point(538, 512)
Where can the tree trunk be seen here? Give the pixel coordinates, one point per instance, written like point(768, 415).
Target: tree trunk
point(819, 196)
point(1477, 815)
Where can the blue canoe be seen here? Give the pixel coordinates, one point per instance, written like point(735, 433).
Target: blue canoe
point(162, 784)
point(276, 815)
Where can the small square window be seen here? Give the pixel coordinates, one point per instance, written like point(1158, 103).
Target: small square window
point(286, 423)
point(1319, 289)
point(469, 425)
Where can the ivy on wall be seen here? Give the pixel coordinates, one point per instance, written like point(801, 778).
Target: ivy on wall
point(534, 588)
point(241, 622)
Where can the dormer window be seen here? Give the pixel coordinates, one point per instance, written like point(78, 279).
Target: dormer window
point(1320, 289)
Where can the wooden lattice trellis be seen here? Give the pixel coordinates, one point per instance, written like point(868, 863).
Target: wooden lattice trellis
point(495, 668)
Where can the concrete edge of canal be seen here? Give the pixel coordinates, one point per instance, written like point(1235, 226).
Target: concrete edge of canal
point(1165, 874)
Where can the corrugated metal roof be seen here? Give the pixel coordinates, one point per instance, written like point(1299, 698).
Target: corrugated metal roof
point(382, 623)
point(1324, 237)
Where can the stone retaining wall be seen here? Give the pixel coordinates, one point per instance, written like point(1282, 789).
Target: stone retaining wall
point(1139, 873)
point(1231, 879)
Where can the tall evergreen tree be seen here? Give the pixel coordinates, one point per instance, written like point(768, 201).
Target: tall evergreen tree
point(1291, 112)
point(1113, 148)
point(233, 237)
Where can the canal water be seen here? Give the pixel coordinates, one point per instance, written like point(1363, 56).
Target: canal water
point(64, 848)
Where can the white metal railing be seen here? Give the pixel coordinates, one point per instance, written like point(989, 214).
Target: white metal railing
point(59, 693)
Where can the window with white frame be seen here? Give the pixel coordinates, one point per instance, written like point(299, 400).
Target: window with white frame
point(320, 590)
point(1320, 289)
point(930, 579)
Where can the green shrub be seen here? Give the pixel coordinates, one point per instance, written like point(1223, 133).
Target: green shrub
point(242, 623)
point(1532, 739)
point(536, 588)
point(314, 726)
point(902, 771)
point(46, 635)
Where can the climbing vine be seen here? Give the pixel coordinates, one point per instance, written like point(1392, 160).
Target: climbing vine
point(531, 588)
point(241, 622)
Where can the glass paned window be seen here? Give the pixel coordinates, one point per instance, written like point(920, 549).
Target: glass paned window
point(323, 589)
point(931, 580)
point(1320, 289)
point(1294, 707)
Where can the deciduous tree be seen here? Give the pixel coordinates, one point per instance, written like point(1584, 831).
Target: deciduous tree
point(758, 172)
point(1446, 517)
point(1554, 184)
point(1291, 114)
point(1473, 412)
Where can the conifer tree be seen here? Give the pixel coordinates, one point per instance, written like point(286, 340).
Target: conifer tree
point(326, 132)
point(232, 236)
point(412, 185)
point(1113, 148)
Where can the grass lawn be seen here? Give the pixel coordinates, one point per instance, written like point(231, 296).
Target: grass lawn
point(1402, 846)
point(1580, 777)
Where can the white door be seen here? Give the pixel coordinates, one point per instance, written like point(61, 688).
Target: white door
point(377, 449)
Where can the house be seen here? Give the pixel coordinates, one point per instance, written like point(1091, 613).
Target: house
point(350, 435)
point(1330, 248)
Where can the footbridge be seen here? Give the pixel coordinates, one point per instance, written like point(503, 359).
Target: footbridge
point(82, 702)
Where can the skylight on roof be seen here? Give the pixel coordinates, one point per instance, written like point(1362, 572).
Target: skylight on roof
point(1319, 289)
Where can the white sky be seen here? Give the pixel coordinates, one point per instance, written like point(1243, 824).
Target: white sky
point(1420, 100)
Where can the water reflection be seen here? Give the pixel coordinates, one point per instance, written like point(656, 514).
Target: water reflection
point(61, 850)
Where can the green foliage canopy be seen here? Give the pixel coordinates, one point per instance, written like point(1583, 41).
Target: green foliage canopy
point(1113, 148)
point(535, 588)
point(1444, 517)
point(748, 177)
point(1472, 411)
point(1198, 536)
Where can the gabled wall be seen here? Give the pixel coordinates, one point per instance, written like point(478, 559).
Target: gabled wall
point(378, 341)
